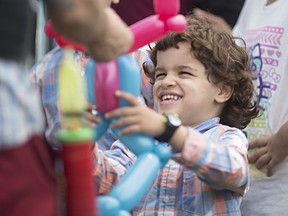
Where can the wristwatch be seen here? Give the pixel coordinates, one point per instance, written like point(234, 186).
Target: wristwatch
point(172, 123)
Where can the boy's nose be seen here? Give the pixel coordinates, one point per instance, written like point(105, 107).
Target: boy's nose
point(168, 80)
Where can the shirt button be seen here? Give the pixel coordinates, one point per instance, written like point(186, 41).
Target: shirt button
point(171, 162)
point(166, 199)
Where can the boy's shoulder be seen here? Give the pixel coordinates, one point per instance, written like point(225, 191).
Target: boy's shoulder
point(222, 130)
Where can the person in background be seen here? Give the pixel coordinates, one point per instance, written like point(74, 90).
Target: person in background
point(202, 78)
point(263, 25)
point(227, 10)
point(26, 163)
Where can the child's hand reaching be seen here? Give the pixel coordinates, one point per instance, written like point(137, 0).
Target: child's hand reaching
point(136, 118)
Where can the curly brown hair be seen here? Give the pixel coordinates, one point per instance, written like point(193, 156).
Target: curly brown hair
point(224, 61)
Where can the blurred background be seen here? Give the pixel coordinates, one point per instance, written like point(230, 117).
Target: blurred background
point(130, 11)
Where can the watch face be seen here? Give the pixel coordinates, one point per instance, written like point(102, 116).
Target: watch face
point(174, 119)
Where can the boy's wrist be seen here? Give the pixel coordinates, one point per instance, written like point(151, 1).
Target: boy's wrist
point(172, 123)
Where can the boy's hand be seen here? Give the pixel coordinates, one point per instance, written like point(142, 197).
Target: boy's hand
point(136, 118)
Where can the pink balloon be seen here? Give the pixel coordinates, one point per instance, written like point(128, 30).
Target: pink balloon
point(176, 23)
point(63, 42)
point(157, 26)
point(48, 29)
point(166, 8)
point(106, 77)
point(147, 31)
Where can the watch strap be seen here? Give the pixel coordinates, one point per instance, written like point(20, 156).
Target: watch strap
point(168, 132)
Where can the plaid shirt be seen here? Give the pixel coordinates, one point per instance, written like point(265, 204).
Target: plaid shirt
point(44, 76)
point(211, 182)
point(20, 107)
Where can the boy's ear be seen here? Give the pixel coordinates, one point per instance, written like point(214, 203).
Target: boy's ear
point(224, 93)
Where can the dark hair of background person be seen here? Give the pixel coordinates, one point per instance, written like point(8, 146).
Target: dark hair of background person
point(227, 9)
point(16, 24)
point(132, 11)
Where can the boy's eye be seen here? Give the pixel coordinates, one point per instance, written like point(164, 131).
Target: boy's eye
point(186, 73)
point(160, 75)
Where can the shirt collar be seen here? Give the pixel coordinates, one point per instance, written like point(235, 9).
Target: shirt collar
point(208, 124)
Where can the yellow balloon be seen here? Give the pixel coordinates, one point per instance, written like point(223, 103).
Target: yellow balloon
point(71, 92)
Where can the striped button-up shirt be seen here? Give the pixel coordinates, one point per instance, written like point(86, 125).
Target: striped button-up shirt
point(208, 177)
point(20, 109)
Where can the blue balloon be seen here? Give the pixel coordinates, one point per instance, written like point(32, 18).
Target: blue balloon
point(151, 156)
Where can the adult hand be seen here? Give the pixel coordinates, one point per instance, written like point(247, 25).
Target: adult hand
point(260, 154)
point(269, 152)
point(116, 39)
point(93, 24)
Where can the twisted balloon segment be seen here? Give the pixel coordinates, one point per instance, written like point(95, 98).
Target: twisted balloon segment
point(157, 26)
point(71, 88)
point(76, 140)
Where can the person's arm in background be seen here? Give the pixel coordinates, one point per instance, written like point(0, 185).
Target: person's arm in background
point(93, 24)
point(270, 151)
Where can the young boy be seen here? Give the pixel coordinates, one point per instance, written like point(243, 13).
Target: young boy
point(204, 77)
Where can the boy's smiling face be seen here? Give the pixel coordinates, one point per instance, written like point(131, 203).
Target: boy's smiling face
point(181, 86)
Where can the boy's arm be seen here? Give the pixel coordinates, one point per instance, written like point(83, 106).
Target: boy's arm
point(93, 24)
point(110, 166)
point(220, 162)
point(46, 66)
point(218, 157)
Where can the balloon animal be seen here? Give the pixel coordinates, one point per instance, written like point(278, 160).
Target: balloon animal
point(76, 140)
point(103, 79)
point(121, 198)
